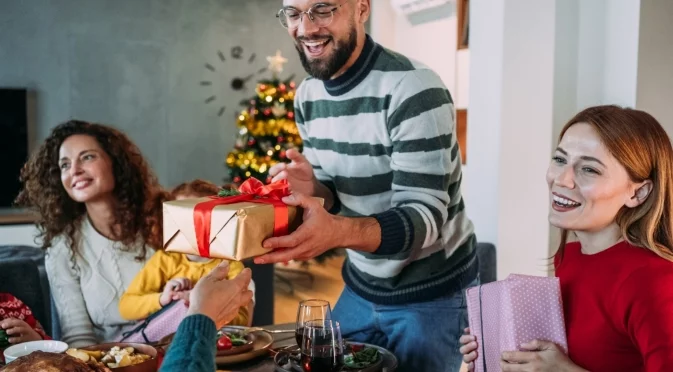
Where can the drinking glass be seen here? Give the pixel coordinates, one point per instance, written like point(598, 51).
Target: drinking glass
point(311, 310)
point(322, 348)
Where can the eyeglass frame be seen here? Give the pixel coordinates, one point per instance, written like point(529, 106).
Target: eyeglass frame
point(310, 15)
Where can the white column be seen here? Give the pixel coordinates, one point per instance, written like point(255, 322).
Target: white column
point(510, 126)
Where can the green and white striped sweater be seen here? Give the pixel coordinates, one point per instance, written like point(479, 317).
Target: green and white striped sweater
point(382, 138)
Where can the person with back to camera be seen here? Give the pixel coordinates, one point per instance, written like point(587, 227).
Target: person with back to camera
point(611, 185)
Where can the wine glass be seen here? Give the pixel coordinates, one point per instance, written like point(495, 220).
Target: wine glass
point(322, 349)
point(310, 310)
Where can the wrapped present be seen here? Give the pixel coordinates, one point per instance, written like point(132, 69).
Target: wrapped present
point(504, 314)
point(231, 227)
point(163, 323)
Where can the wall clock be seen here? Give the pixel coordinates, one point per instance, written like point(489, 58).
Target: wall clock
point(230, 72)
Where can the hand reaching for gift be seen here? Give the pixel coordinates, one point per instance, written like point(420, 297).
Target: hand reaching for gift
point(175, 289)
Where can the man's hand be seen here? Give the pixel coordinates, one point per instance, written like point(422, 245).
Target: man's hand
point(172, 290)
point(298, 173)
point(19, 331)
point(318, 233)
point(218, 298)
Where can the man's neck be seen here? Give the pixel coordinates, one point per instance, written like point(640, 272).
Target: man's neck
point(359, 46)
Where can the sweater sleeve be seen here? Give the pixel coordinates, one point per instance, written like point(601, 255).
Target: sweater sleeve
point(141, 298)
point(235, 268)
point(309, 152)
point(646, 302)
point(425, 164)
point(76, 326)
point(193, 347)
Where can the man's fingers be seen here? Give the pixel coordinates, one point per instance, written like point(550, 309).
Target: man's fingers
point(301, 200)
point(14, 340)
point(284, 255)
point(277, 168)
point(295, 156)
point(286, 241)
point(282, 175)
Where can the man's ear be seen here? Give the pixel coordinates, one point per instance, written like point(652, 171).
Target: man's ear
point(363, 9)
point(640, 194)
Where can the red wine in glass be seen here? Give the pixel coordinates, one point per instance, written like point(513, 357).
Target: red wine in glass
point(310, 310)
point(322, 364)
point(299, 335)
point(322, 347)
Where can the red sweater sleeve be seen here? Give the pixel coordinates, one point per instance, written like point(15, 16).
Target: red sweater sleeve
point(12, 307)
point(645, 302)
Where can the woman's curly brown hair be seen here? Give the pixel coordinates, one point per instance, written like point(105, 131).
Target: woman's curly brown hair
point(137, 214)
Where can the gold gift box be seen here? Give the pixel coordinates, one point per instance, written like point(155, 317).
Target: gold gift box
point(236, 233)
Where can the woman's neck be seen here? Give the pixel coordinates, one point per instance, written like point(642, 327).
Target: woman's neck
point(101, 215)
point(596, 242)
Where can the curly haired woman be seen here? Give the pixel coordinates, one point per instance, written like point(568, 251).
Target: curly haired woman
point(99, 210)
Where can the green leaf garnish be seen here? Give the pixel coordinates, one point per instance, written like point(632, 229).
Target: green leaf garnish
point(362, 359)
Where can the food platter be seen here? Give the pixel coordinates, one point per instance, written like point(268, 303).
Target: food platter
point(288, 359)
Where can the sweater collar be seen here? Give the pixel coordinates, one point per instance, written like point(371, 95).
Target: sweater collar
point(357, 72)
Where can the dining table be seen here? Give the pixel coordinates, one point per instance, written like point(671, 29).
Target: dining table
point(281, 340)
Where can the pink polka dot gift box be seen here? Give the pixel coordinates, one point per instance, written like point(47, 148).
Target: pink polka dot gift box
point(504, 314)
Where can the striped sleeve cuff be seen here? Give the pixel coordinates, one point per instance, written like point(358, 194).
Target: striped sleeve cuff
point(396, 232)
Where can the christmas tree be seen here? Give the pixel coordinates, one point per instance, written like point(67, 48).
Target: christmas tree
point(266, 129)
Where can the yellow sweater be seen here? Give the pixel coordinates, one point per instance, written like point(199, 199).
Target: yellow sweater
point(142, 296)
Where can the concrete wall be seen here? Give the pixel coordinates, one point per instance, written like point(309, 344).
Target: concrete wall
point(138, 65)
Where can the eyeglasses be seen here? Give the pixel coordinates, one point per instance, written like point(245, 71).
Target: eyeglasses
point(320, 14)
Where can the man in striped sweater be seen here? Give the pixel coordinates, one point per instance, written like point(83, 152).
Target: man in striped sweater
point(380, 148)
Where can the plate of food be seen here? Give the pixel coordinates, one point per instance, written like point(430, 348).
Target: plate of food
point(232, 341)
point(358, 357)
point(119, 357)
point(257, 344)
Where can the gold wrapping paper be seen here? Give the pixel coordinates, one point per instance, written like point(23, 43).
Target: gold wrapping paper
point(237, 230)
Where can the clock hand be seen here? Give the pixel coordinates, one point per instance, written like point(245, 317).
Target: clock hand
point(248, 77)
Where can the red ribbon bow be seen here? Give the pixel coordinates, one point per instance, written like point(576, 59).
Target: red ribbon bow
point(252, 190)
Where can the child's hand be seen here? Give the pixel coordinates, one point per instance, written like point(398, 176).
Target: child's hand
point(19, 331)
point(469, 349)
point(172, 288)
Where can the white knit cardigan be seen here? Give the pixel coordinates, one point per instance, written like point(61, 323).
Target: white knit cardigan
point(87, 287)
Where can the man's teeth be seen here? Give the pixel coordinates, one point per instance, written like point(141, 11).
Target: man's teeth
point(313, 44)
point(565, 202)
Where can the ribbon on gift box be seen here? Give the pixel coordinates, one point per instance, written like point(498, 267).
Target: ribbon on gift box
point(252, 190)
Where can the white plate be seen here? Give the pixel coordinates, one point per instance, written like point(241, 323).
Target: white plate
point(19, 350)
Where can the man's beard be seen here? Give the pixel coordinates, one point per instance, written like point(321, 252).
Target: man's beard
point(324, 70)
